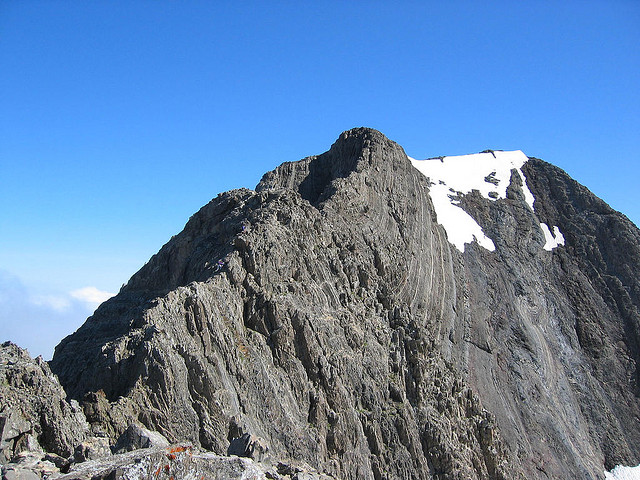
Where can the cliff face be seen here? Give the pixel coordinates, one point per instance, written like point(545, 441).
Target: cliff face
point(349, 330)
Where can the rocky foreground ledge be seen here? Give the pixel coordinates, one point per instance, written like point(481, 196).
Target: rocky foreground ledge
point(181, 461)
point(42, 435)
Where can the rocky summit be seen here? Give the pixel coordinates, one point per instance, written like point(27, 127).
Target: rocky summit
point(360, 315)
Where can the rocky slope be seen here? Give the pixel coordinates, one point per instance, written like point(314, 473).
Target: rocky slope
point(44, 436)
point(34, 415)
point(348, 331)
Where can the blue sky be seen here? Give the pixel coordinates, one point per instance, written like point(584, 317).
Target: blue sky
point(118, 120)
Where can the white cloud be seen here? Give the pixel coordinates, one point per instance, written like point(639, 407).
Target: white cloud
point(59, 303)
point(37, 318)
point(91, 296)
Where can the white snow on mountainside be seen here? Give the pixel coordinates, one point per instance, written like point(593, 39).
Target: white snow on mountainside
point(623, 473)
point(490, 174)
point(552, 239)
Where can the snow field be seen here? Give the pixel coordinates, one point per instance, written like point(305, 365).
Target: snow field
point(623, 473)
point(490, 174)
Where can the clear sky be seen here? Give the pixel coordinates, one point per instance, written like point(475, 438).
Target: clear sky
point(120, 119)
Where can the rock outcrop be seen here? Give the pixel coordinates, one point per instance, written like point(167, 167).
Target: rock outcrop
point(344, 330)
point(183, 461)
point(136, 437)
point(34, 414)
point(44, 436)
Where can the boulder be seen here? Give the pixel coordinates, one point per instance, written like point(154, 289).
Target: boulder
point(136, 437)
point(91, 449)
point(249, 446)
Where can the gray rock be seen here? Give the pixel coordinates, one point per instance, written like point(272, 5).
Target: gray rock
point(295, 472)
point(28, 464)
point(26, 443)
point(139, 437)
point(15, 473)
point(249, 446)
point(60, 462)
point(13, 427)
point(178, 461)
point(348, 333)
point(108, 419)
point(91, 449)
point(34, 413)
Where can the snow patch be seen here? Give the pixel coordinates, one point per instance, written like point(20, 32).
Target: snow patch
point(489, 173)
point(460, 226)
point(552, 240)
point(623, 473)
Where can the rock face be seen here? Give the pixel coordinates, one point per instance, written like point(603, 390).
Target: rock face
point(346, 331)
point(34, 415)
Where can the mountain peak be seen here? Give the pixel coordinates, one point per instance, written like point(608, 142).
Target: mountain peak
point(363, 133)
point(335, 315)
point(313, 177)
